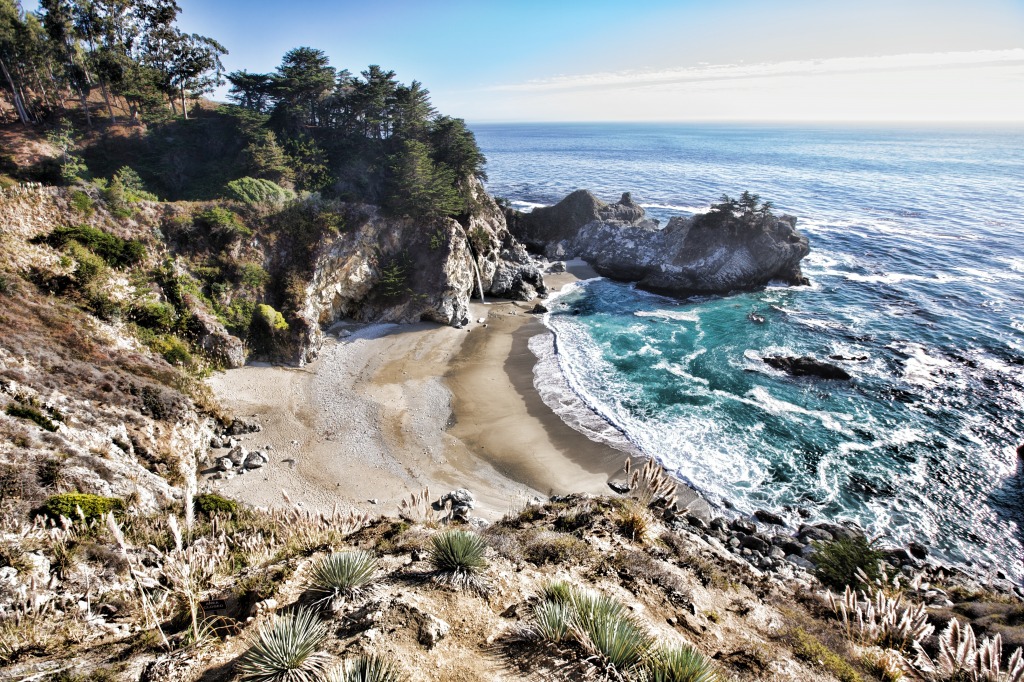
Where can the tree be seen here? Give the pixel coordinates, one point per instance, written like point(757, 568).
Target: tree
point(302, 83)
point(11, 26)
point(195, 66)
point(455, 146)
point(71, 165)
point(250, 91)
point(418, 187)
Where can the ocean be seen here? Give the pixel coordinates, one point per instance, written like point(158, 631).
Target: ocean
point(917, 286)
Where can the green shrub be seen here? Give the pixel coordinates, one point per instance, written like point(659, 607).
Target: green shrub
point(271, 319)
point(809, 648)
point(209, 504)
point(134, 188)
point(116, 252)
point(286, 649)
point(67, 505)
point(253, 275)
point(366, 669)
point(458, 557)
point(556, 548)
point(679, 664)
point(837, 561)
point(32, 414)
point(82, 203)
point(223, 224)
point(238, 316)
point(342, 574)
point(257, 191)
point(156, 316)
point(171, 348)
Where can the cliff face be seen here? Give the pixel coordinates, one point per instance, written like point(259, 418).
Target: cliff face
point(688, 256)
point(400, 270)
point(84, 406)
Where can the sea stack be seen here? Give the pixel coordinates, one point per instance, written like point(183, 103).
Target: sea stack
point(712, 253)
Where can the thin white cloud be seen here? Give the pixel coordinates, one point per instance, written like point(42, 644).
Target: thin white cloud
point(819, 67)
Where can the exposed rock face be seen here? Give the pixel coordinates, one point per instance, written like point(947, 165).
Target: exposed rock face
point(214, 337)
point(543, 229)
point(401, 270)
point(688, 256)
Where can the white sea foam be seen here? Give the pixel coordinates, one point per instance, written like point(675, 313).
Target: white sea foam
point(558, 395)
point(680, 315)
point(674, 207)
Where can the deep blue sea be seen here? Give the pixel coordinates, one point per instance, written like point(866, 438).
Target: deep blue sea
point(917, 276)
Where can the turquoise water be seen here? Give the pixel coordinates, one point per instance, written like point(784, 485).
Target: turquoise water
point(917, 271)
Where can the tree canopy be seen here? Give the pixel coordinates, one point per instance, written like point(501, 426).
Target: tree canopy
point(361, 136)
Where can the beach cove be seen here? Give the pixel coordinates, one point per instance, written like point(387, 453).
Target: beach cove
point(388, 410)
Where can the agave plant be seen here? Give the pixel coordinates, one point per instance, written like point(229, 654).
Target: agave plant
point(286, 649)
point(600, 624)
point(557, 591)
point(458, 558)
point(366, 669)
point(606, 627)
point(342, 574)
point(679, 664)
point(552, 622)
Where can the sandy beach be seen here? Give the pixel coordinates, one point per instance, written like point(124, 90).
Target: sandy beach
point(391, 409)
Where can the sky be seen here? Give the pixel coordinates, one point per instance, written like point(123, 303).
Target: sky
point(931, 61)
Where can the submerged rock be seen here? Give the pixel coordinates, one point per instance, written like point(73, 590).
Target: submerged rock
point(806, 366)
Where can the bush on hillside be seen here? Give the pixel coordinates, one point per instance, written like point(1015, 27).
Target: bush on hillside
point(222, 224)
point(838, 562)
point(270, 319)
point(257, 191)
point(116, 252)
point(68, 504)
point(209, 504)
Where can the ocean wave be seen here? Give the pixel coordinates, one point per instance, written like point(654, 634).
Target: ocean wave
point(675, 207)
point(550, 383)
point(680, 315)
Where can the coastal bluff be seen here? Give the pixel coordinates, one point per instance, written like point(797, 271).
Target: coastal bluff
point(690, 255)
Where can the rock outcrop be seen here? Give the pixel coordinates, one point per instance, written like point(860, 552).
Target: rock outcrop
point(688, 256)
point(806, 366)
point(388, 269)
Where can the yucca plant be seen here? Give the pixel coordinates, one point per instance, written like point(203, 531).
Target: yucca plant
point(286, 649)
point(366, 669)
point(557, 591)
point(679, 664)
point(600, 624)
point(342, 575)
point(458, 558)
point(605, 627)
point(552, 622)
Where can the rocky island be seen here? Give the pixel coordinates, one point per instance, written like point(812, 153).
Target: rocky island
point(738, 245)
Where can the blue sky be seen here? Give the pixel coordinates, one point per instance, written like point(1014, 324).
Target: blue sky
point(931, 60)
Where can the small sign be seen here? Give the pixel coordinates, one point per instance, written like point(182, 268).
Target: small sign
point(213, 605)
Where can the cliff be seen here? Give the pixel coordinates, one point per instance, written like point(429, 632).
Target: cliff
point(688, 256)
point(384, 269)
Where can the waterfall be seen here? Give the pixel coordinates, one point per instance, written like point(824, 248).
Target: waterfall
point(479, 281)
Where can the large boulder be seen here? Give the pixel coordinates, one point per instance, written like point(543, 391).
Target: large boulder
point(689, 256)
point(545, 227)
